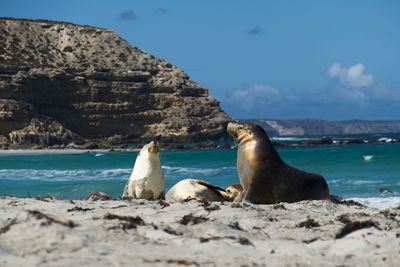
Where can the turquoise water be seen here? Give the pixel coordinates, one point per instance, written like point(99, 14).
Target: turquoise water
point(354, 171)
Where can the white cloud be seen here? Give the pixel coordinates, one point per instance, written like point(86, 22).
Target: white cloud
point(255, 96)
point(350, 94)
point(352, 77)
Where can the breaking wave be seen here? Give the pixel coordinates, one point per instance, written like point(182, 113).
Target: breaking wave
point(65, 175)
point(379, 202)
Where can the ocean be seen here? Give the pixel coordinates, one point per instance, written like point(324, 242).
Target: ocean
point(352, 171)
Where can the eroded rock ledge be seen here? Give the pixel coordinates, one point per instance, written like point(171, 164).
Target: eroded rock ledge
point(62, 83)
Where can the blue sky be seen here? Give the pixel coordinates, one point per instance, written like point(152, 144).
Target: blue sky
point(318, 59)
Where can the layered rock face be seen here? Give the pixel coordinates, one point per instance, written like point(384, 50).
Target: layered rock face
point(62, 83)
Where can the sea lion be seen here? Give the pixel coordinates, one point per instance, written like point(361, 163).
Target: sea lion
point(188, 189)
point(265, 177)
point(147, 180)
point(233, 191)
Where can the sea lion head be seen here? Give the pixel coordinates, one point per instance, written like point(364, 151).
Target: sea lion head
point(245, 132)
point(232, 191)
point(150, 150)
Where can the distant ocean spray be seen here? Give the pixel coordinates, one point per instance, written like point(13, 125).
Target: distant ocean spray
point(352, 171)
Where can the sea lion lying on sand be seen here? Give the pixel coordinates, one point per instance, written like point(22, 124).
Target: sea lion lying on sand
point(188, 189)
point(263, 174)
point(147, 180)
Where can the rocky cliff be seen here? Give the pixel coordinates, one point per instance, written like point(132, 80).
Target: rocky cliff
point(63, 83)
point(322, 127)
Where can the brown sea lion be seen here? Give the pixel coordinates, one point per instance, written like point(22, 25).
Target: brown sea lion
point(265, 177)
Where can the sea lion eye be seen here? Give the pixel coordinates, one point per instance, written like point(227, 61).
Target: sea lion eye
point(240, 128)
point(250, 133)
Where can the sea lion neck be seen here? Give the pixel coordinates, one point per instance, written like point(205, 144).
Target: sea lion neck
point(259, 153)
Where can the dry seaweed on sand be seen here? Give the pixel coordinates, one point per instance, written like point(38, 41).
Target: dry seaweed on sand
point(7, 227)
point(77, 208)
point(209, 207)
point(309, 223)
point(49, 220)
point(339, 200)
point(129, 222)
point(190, 218)
point(354, 226)
point(235, 225)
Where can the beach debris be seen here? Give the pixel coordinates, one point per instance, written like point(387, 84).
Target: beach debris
point(310, 240)
point(7, 227)
point(47, 198)
point(279, 206)
point(163, 203)
point(354, 226)
point(339, 200)
point(77, 208)
point(344, 218)
point(241, 240)
point(309, 223)
point(245, 241)
point(173, 261)
point(385, 190)
point(130, 222)
point(209, 207)
point(119, 206)
point(95, 196)
point(172, 231)
point(235, 225)
point(190, 218)
point(207, 239)
point(49, 219)
point(389, 215)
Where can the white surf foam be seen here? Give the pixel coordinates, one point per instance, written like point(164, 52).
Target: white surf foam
point(64, 175)
point(368, 157)
point(189, 171)
point(379, 202)
point(386, 140)
point(361, 182)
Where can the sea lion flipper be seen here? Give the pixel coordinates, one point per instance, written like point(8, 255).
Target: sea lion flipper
point(210, 186)
point(125, 193)
point(162, 196)
point(240, 197)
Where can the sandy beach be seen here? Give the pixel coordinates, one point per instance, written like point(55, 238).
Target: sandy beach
point(51, 232)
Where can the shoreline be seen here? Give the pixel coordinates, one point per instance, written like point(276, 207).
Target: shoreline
point(50, 232)
point(175, 147)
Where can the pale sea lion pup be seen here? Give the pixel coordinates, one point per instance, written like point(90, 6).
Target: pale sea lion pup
point(147, 180)
point(233, 191)
point(188, 189)
point(263, 174)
